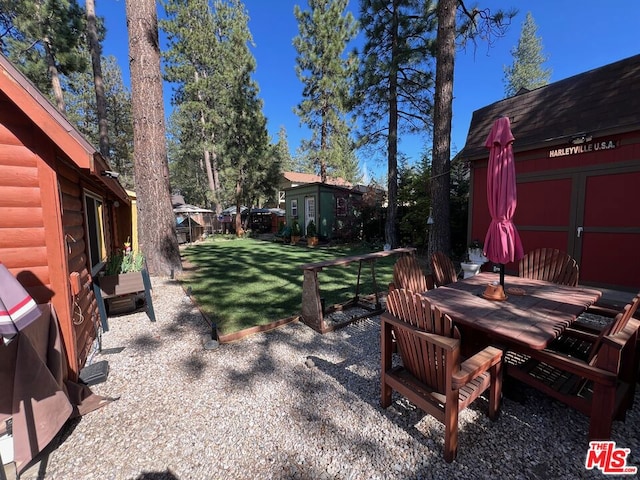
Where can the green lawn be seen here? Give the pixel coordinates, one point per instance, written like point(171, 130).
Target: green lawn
point(242, 283)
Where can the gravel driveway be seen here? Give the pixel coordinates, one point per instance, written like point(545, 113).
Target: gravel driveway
point(292, 404)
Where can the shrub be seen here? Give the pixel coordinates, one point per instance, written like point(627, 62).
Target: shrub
point(311, 229)
point(295, 229)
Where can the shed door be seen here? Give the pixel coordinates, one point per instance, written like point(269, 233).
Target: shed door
point(588, 215)
point(607, 235)
point(309, 211)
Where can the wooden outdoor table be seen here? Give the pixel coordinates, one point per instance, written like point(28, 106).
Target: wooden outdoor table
point(312, 309)
point(531, 320)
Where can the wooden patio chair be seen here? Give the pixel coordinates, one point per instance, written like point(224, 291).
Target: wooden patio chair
point(549, 264)
point(583, 341)
point(434, 377)
point(413, 308)
point(444, 272)
point(601, 388)
point(408, 274)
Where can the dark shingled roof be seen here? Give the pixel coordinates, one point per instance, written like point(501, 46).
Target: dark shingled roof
point(603, 101)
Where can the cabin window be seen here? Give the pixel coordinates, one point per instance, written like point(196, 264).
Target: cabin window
point(95, 230)
point(341, 207)
point(294, 208)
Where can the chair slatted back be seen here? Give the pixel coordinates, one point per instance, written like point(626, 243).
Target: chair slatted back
point(549, 264)
point(444, 272)
point(414, 309)
point(408, 274)
point(619, 323)
point(428, 357)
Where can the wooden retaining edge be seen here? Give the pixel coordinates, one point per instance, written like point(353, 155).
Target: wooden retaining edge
point(235, 336)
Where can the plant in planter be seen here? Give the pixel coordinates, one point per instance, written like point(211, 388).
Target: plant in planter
point(296, 232)
point(312, 234)
point(124, 262)
point(125, 276)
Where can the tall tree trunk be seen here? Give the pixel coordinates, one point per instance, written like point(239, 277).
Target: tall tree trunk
point(323, 146)
point(439, 234)
point(217, 207)
point(101, 102)
point(239, 230)
point(54, 75)
point(390, 235)
point(156, 221)
point(207, 151)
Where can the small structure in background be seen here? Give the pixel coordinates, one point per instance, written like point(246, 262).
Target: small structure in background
point(192, 222)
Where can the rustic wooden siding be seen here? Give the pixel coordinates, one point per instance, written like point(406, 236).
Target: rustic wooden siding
point(22, 233)
point(84, 307)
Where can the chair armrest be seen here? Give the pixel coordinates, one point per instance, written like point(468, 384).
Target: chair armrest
point(580, 334)
point(603, 309)
point(575, 366)
point(476, 365)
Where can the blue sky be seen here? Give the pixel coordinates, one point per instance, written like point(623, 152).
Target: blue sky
point(577, 36)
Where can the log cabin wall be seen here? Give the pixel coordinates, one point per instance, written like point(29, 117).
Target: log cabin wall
point(43, 227)
point(31, 243)
point(84, 315)
point(22, 232)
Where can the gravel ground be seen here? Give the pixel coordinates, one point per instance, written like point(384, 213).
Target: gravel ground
point(291, 404)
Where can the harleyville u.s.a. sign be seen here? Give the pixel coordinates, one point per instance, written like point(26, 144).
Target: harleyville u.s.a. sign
point(584, 148)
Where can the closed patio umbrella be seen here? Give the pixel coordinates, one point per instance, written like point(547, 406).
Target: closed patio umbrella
point(502, 243)
point(17, 308)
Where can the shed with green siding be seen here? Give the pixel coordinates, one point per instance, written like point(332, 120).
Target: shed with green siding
point(335, 210)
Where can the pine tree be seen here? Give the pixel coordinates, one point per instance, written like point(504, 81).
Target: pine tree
point(324, 33)
point(82, 112)
point(95, 49)
point(526, 70)
point(439, 233)
point(395, 81)
point(156, 221)
point(474, 24)
point(219, 131)
point(283, 152)
point(196, 64)
point(46, 41)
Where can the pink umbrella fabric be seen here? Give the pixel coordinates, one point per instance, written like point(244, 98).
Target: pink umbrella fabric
point(17, 308)
point(502, 243)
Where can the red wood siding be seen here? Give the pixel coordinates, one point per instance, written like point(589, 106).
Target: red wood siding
point(73, 224)
point(594, 191)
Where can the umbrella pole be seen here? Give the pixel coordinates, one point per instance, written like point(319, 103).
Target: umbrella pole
point(502, 274)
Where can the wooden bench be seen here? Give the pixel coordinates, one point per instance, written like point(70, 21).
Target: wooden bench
point(312, 308)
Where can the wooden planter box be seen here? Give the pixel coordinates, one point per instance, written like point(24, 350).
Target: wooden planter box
point(120, 288)
point(122, 284)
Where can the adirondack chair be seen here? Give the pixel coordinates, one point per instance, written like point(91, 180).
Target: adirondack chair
point(549, 264)
point(408, 274)
point(413, 308)
point(583, 341)
point(444, 272)
point(601, 388)
point(434, 377)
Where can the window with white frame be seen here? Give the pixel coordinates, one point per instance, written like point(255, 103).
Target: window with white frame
point(294, 208)
point(341, 207)
point(95, 229)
